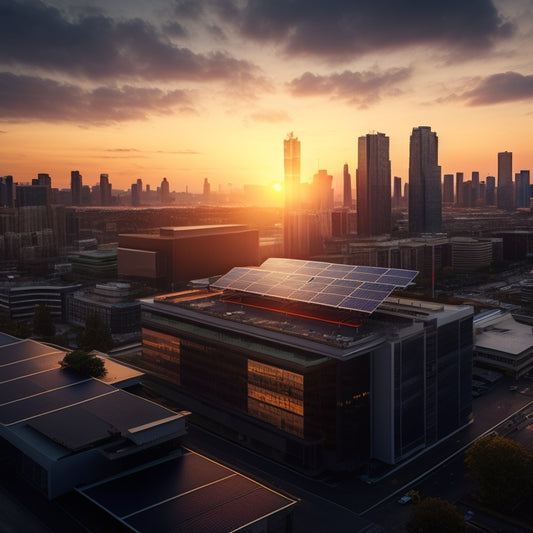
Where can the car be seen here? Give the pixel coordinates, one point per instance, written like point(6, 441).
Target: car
point(406, 498)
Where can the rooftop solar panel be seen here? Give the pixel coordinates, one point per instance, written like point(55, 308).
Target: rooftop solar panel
point(317, 282)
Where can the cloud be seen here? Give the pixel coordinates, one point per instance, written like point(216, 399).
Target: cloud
point(270, 116)
point(498, 88)
point(360, 88)
point(29, 98)
point(346, 29)
point(33, 34)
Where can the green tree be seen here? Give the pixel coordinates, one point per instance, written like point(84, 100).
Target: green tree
point(96, 335)
point(43, 325)
point(435, 515)
point(20, 330)
point(85, 363)
point(503, 470)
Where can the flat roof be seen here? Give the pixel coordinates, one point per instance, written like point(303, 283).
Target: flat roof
point(187, 493)
point(504, 334)
point(71, 411)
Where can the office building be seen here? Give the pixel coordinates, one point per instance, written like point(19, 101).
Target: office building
point(425, 198)
point(165, 192)
point(459, 176)
point(105, 190)
point(291, 186)
point(447, 189)
point(505, 181)
point(176, 255)
point(503, 344)
point(475, 188)
point(522, 191)
point(75, 187)
point(397, 192)
point(373, 181)
point(490, 190)
point(307, 363)
point(347, 187)
point(31, 195)
point(135, 197)
point(6, 191)
point(469, 255)
point(322, 191)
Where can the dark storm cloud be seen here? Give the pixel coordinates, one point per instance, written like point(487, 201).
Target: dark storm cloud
point(360, 88)
point(343, 29)
point(25, 98)
point(504, 87)
point(97, 47)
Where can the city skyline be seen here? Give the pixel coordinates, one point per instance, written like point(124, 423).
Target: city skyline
point(191, 90)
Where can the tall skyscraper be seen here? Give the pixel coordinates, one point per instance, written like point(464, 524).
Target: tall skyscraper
point(75, 187)
point(6, 191)
point(322, 192)
point(347, 187)
point(425, 194)
point(165, 191)
point(522, 189)
point(373, 181)
point(459, 188)
point(490, 190)
point(397, 191)
point(291, 150)
point(505, 181)
point(475, 188)
point(447, 189)
point(105, 190)
point(135, 195)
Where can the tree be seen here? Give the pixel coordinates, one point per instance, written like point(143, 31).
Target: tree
point(85, 363)
point(503, 470)
point(435, 515)
point(96, 335)
point(43, 325)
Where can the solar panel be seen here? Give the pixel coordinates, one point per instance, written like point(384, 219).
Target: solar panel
point(360, 288)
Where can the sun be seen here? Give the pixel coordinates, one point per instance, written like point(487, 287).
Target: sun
point(277, 187)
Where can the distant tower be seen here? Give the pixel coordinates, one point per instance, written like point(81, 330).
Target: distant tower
point(207, 189)
point(425, 194)
point(6, 191)
point(322, 191)
point(165, 191)
point(373, 181)
point(490, 190)
point(459, 188)
point(291, 150)
point(505, 181)
point(75, 187)
point(397, 192)
point(347, 190)
point(475, 188)
point(135, 195)
point(522, 189)
point(105, 190)
point(139, 190)
point(447, 189)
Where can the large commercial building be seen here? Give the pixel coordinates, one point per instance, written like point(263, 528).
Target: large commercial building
point(314, 364)
point(425, 197)
point(179, 254)
point(373, 181)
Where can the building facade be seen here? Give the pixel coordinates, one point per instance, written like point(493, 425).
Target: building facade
point(505, 181)
point(425, 196)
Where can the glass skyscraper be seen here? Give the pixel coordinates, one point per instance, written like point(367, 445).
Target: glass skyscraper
point(425, 194)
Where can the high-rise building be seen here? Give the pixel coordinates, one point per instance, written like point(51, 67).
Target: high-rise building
point(165, 191)
point(322, 192)
point(490, 190)
point(522, 189)
point(347, 190)
point(459, 188)
point(291, 150)
point(425, 195)
point(6, 191)
point(397, 192)
point(505, 181)
point(105, 190)
point(447, 189)
point(475, 188)
point(206, 189)
point(373, 181)
point(135, 195)
point(291, 233)
point(75, 187)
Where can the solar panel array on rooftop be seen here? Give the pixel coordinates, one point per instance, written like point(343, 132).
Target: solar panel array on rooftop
point(358, 288)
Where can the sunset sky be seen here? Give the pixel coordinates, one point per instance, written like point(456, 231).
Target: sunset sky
point(194, 89)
